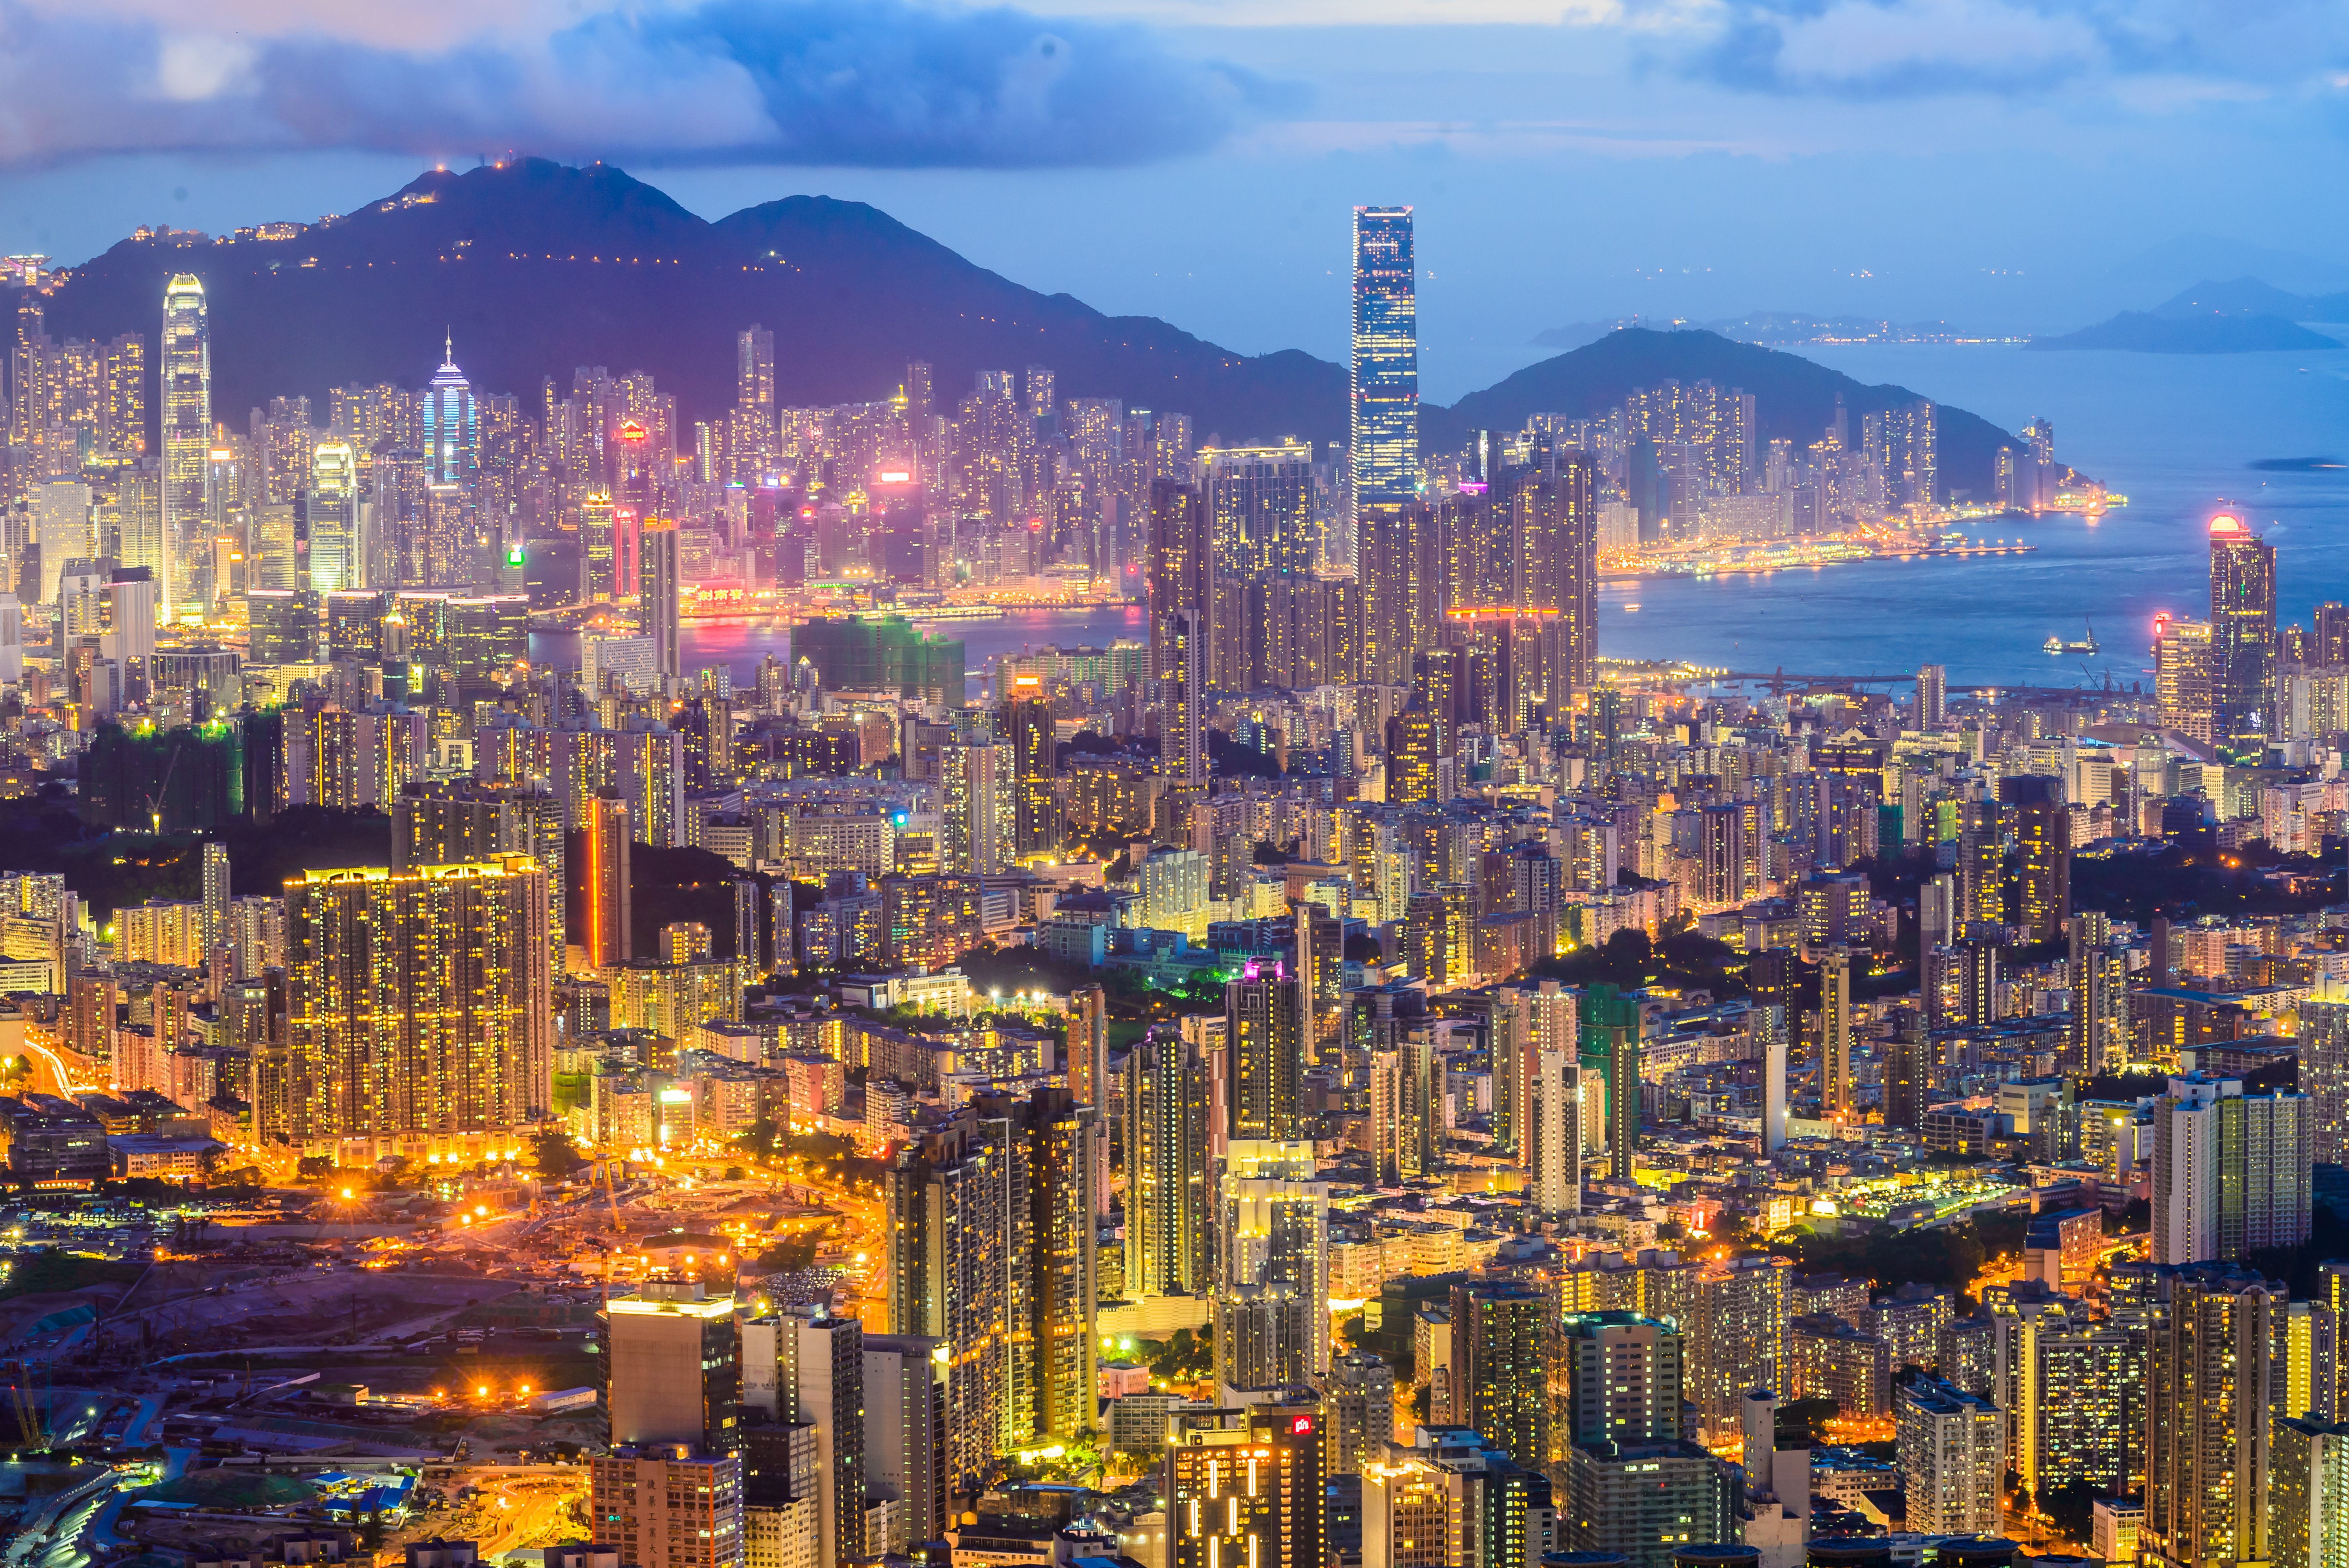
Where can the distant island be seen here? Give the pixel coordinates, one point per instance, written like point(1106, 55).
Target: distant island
point(1776, 329)
point(2143, 332)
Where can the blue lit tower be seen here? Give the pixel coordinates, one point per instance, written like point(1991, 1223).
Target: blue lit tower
point(1384, 432)
point(452, 430)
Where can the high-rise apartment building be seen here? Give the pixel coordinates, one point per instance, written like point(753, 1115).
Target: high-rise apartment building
point(2033, 804)
point(1618, 1379)
point(666, 1503)
point(1272, 1285)
point(2185, 677)
point(904, 1430)
point(807, 1367)
point(597, 910)
point(2308, 1493)
point(1735, 1320)
point(2230, 1171)
point(1500, 1367)
point(1382, 431)
point(1264, 1029)
point(1951, 1447)
point(419, 1007)
point(979, 802)
point(1168, 1099)
point(2206, 1497)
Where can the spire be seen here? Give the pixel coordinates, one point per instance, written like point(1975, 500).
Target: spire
point(448, 346)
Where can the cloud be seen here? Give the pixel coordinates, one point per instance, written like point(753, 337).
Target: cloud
point(862, 83)
point(1889, 48)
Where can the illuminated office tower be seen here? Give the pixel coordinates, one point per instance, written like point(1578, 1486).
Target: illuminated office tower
point(1382, 433)
point(217, 896)
point(452, 428)
point(2206, 1498)
point(803, 1366)
point(417, 1005)
point(1244, 1488)
point(1028, 719)
point(754, 372)
point(1272, 1287)
point(1264, 1023)
point(978, 805)
point(1932, 696)
point(1499, 1369)
point(596, 546)
point(1835, 1087)
point(662, 586)
point(2243, 636)
point(2042, 831)
point(1168, 1195)
point(2230, 1171)
point(2185, 676)
point(597, 910)
point(1951, 1447)
point(672, 1367)
point(338, 546)
point(187, 427)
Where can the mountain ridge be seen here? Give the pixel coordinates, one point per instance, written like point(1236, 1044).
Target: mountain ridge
point(537, 268)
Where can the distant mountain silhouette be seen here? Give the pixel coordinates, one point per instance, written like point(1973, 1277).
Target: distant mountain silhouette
point(1793, 397)
point(2142, 331)
point(537, 268)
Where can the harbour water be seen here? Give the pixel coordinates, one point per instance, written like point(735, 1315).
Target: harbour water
point(2176, 434)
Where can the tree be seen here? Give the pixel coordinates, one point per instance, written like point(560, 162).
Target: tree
point(759, 1138)
point(557, 1155)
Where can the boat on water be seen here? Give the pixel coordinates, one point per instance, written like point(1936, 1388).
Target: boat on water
point(2056, 646)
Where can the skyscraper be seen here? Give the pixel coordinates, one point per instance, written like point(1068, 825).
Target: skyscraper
point(1932, 696)
point(217, 895)
point(1836, 1084)
point(2207, 1419)
point(2043, 832)
point(804, 1365)
point(2243, 636)
point(1264, 1023)
point(1499, 1368)
point(2230, 1171)
point(672, 1367)
point(1272, 1287)
point(1168, 1102)
point(1244, 1488)
point(1951, 1446)
point(979, 804)
point(662, 586)
point(186, 421)
point(418, 1006)
point(596, 881)
point(1620, 1378)
point(337, 548)
point(1382, 430)
point(452, 425)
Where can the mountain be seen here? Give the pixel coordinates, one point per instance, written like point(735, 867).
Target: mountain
point(1793, 397)
point(536, 268)
point(2142, 331)
point(2248, 296)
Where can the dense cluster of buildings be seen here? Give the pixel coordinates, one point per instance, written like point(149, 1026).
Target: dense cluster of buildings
point(1444, 1022)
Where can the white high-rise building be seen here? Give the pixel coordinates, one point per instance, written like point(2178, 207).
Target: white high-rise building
point(2230, 1171)
point(187, 422)
point(1952, 1449)
point(338, 549)
point(1558, 1133)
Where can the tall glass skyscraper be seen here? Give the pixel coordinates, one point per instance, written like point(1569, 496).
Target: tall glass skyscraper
point(452, 430)
point(187, 369)
point(1383, 425)
point(2242, 634)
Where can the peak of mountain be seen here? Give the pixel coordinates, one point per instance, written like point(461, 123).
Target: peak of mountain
point(1793, 397)
point(2143, 332)
point(2236, 296)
